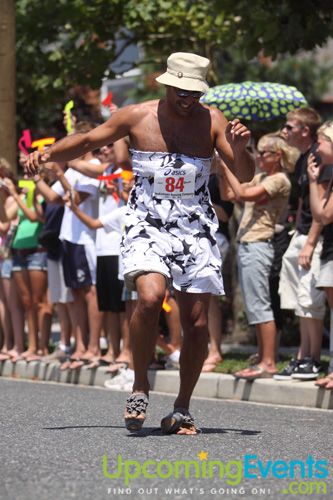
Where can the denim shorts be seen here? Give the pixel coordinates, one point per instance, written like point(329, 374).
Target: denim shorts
point(6, 268)
point(34, 261)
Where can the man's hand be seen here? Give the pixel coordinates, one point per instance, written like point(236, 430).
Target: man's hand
point(237, 135)
point(305, 256)
point(34, 161)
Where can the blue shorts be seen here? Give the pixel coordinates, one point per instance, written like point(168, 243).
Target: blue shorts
point(7, 268)
point(31, 259)
point(79, 264)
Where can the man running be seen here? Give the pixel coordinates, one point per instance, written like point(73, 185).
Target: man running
point(170, 223)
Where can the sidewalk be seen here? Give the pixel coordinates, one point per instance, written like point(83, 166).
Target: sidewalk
point(210, 385)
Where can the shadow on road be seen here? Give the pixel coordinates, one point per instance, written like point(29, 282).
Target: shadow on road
point(148, 431)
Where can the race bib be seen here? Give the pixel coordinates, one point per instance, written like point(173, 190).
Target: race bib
point(175, 182)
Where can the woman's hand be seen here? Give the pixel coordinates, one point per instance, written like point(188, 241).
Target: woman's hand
point(313, 168)
point(10, 186)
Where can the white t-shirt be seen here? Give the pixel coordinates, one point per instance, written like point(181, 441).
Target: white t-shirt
point(72, 229)
point(115, 221)
point(107, 242)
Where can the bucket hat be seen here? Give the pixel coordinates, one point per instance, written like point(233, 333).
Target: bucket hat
point(186, 71)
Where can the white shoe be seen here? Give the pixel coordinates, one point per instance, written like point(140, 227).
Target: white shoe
point(122, 382)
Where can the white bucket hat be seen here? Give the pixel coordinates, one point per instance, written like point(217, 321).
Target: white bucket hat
point(186, 71)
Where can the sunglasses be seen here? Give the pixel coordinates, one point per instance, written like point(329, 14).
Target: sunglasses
point(290, 127)
point(187, 93)
point(262, 153)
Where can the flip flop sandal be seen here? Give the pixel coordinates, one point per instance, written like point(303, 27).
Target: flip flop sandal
point(65, 365)
point(33, 357)
point(4, 356)
point(177, 419)
point(77, 363)
point(136, 405)
point(252, 373)
point(114, 366)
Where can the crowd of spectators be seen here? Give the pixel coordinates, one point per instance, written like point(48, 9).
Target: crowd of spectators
point(60, 256)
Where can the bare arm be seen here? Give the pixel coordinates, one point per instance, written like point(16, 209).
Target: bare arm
point(87, 168)
point(8, 208)
point(122, 156)
point(321, 201)
point(231, 139)
point(31, 214)
point(243, 192)
point(46, 191)
point(86, 219)
point(76, 145)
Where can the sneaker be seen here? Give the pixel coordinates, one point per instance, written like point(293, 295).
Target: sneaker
point(122, 382)
point(308, 369)
point(286, 373)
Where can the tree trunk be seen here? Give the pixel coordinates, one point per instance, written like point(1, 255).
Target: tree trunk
point(7, 82)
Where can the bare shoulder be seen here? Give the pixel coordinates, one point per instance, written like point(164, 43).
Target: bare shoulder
point(217, 117)
point(136, 112)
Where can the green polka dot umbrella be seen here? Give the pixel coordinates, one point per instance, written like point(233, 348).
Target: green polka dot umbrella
point(254, 101)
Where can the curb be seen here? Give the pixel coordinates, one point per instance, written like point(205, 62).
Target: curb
point(209, 385)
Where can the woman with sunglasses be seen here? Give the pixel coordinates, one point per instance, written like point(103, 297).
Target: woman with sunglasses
point(265, 200)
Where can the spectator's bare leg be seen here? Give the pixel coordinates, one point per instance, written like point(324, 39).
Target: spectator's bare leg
point(215, 335)
point(95, 318)
point(38, 282)
point(266, 334)
point(23, 284)
point(311, 337)
point(6, 324)
point(65, 324)
point(17, 316)
point(80, 318)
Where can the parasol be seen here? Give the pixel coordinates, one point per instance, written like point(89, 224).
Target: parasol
point(255, 101)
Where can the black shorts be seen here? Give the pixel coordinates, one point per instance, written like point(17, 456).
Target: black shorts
point(109, 287)
point(78, 269)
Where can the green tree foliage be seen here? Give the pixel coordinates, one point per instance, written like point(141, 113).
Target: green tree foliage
point(62, 43)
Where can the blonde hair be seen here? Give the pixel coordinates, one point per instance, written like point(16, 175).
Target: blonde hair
point(289, 155)
point(326, 129)
point(307, 117)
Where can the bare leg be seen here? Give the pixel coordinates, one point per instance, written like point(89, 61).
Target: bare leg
point(194, 318)
point(38, 284)
point(17, 316)
point(95, 318)
point(174, 325)
point(24, 289)
point(143, 327)
point(80, 318)
point(215, 335)
point(5, 319)
point(266, 332)
point(65, 324)
point(311, 337)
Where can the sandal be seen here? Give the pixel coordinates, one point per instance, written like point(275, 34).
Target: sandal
point(114, 366)
point(77, 363)
point(179, 422)
point(210, 365)
point(4, 356)
point(135, 413)
point(253, 372)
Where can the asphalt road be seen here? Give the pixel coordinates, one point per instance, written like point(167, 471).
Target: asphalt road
point(53, 438)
